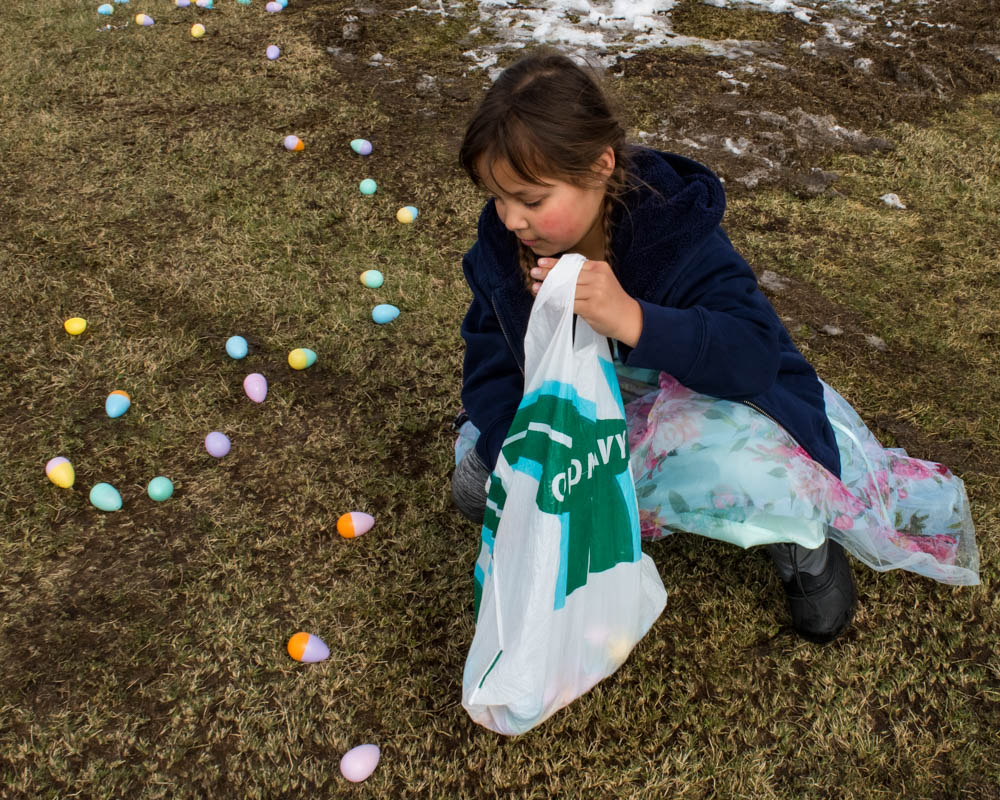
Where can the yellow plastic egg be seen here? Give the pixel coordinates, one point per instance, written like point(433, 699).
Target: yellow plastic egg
point(404, 215)
point(75, 326)
point(197, 30)
point(301, 358)
point(60, 472)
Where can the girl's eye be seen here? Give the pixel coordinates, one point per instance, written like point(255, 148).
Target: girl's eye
point(534, 204)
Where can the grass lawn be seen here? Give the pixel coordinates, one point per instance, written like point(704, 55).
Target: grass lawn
point(144, 187)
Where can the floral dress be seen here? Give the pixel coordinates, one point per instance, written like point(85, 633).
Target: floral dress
point(722, 469)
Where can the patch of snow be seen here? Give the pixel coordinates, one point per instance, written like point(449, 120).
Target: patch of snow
point(611, 29)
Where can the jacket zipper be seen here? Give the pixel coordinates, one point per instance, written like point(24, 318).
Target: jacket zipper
point(503, 330)
point(760, 410)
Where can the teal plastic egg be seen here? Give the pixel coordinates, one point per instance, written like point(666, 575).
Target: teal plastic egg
point(104, 9)
point(160, 489)
point(413, 211)
point(361, 146)
point(368, 186)
point(383, 313)
point(105, 497)
point(372, 278)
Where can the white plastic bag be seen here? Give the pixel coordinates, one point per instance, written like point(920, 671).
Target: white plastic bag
point(563, 591)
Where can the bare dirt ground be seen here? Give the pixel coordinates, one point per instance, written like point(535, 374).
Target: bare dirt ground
point(760, 96)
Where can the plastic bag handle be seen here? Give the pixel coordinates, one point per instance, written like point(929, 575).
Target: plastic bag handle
point(552, 311)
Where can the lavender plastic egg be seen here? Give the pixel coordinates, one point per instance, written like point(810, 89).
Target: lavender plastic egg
point(273, 51)
point(217, 444)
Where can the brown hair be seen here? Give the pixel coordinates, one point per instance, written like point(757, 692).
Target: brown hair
point(547, 117)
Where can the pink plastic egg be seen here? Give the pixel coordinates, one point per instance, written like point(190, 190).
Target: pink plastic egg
point(359, 762)
point(255, 385)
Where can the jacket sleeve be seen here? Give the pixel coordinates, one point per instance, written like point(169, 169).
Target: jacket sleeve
point(492, 381)
point(715, 332)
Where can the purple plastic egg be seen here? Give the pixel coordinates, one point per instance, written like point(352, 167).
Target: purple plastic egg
point(217, 444)
point(255, 385)
point(273, 51)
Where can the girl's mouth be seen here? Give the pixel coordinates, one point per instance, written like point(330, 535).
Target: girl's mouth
point(528, 242)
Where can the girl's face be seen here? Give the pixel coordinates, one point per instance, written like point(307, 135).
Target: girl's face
point(555, 217)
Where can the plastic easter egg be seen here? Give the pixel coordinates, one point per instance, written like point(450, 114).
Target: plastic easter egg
point(413, 211)
point(182, 3)
point(384, 312)
point(368, 186)
point(405, 216)
point(255, 385)
point(243, 2)
point(197, 30)
point(105, 9)
point(273, 51)
point(60, 472)
point(203, 3)
point(160, 489)
point(143, 19)
point(120, 2)
point(359, 762)
point(237, 347)
point(307, 648)
point(294, 143)
point(282, 3)
point(105, 497)
point(354, 524)
point(301, 357)
point(273, 7)
point(361, 146)
point(372, 278)
point(217, 444)
point(75, 326)
point(117, 403)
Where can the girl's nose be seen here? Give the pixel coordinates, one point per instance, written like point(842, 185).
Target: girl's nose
point(513, 221)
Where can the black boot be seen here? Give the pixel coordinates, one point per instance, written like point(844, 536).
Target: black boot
point(822, 605)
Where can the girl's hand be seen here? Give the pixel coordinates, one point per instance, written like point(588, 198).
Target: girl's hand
point(600, 299)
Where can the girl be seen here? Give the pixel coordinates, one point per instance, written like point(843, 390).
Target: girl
point(732, 434)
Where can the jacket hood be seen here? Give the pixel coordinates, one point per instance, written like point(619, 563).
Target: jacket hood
point(672, 207)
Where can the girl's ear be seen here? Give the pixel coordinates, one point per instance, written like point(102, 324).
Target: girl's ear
point(605, 163)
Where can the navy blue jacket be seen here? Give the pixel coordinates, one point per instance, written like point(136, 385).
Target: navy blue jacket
point(704, 319)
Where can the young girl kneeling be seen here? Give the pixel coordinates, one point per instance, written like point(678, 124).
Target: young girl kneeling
point(732, 434)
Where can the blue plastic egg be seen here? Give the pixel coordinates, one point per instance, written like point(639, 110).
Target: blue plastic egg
point(237, 347)
point(105, 9)
point(117, 403)
point(368, 186)
point(383, 313)
point(412, 210)
point(105, 497)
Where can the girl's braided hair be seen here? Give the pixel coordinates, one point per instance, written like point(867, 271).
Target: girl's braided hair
point(547, 117)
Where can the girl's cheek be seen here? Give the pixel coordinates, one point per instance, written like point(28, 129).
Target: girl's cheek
point(553, 225)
